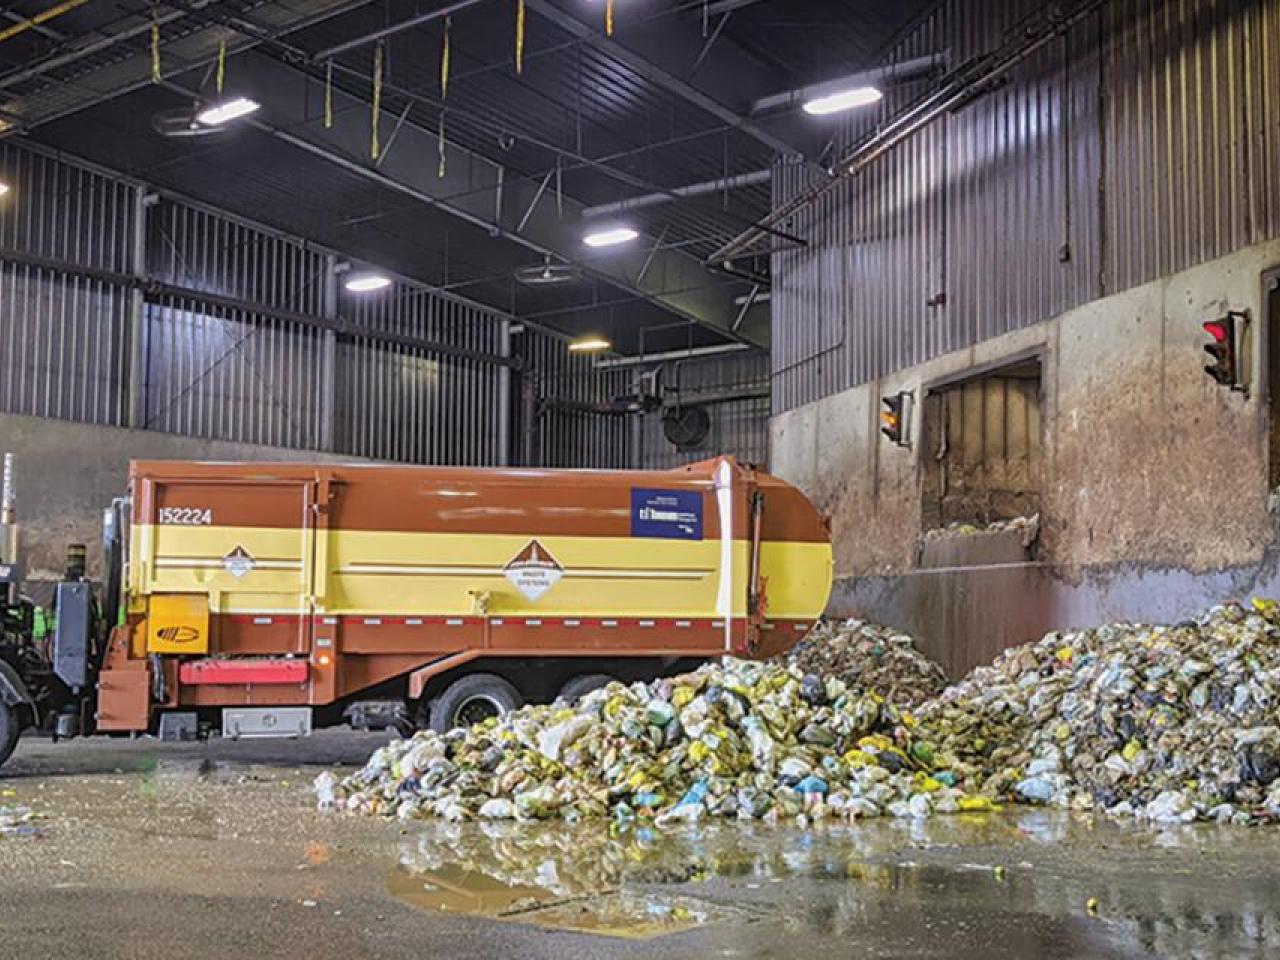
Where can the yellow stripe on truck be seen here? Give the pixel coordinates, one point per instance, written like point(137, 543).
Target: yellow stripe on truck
point(372, 572)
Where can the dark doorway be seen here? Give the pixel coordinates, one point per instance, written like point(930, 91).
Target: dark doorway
point(1271, 323)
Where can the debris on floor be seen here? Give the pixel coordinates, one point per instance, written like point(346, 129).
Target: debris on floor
point(732, 739)
point(1167, 723)
point(18, 821)
point(869, 656)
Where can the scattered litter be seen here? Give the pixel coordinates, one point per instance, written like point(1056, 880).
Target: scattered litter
point(1028, 529)
point(18, 822)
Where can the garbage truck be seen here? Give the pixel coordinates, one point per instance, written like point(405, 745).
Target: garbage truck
point(255, 599)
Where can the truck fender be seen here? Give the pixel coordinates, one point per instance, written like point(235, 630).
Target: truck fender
point(13, 692)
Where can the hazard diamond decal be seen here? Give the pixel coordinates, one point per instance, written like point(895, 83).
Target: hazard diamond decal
point(534, 571)
point(238, 562)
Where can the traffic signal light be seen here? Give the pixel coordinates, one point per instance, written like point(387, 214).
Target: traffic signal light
point(1224, 350)
point(893, 418)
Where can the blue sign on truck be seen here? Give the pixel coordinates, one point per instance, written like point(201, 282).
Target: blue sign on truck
point(673, 514)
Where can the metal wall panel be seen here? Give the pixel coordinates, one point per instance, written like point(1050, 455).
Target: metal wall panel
point(565, 431)
point(63, 338)
point(406, 403)
point(1142, 143)
point(233, 375)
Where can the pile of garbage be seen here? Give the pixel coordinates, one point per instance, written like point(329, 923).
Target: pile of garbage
point(1167, 723)
point(1027, 529)
point(732, 739)
point(871, 657)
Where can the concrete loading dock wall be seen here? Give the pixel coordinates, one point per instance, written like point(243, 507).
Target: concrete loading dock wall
point(1155, 491)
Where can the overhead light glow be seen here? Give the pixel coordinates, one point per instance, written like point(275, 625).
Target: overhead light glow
point(589, 345)
point(226, 111)
point(610, 237)
point(843, 100)
point(368, 282)
point(4, 188)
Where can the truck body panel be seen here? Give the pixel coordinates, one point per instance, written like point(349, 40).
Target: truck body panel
point(369, 574)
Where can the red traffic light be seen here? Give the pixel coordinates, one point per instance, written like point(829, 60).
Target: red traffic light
point(1217, 329)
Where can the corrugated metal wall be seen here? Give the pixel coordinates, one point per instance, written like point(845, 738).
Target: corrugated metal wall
point(738, 426)
point(1144, 142)
point(562, 422)
point(63, 337)
point(242, 352)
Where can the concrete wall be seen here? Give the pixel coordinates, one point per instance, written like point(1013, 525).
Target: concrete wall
point(1155, 497)
point(67, 472)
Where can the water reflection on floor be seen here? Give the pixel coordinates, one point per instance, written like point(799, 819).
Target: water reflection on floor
point(1044, 882)
point(145, 850)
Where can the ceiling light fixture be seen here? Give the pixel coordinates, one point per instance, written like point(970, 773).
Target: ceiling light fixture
point(610, 237)
point(368, 282)
point(227, 110)
point(4, 188)
point(591, 344)
point(842, 100)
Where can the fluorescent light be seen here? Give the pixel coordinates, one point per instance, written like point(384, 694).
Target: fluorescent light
point(368, 282)
point(4, 188)
point(589, 345)
point(844, 100)
point(746, 298)
point(220, 113)
point(610, 237)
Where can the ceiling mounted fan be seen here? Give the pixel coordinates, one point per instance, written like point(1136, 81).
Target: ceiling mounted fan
point(548, 273)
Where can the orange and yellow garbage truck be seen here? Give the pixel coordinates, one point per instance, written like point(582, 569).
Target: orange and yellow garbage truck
point(268, 599)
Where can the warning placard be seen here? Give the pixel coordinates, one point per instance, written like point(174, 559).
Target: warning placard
point(534, 570)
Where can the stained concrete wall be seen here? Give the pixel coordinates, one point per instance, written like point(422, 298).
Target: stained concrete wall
point(68, 472)
point(1155, 498)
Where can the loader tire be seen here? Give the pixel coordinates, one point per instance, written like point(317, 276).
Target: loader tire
point(9, 728)
point(578, 687)
point(472, 699)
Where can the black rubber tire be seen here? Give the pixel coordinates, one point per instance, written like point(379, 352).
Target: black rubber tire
point(472, 693)
point(9, 729)
point(575, 688)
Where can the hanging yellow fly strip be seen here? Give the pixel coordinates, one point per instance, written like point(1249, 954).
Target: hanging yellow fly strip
point(519, 36)
point(222, 66)
point(608, 18)
point(155, 49)
point(377, 101)
point(328, 96)
point(444, 60)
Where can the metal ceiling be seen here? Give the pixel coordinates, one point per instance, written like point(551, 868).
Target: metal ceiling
point(661, 105)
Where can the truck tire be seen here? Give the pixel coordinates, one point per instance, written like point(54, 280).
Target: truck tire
point(9, 728)
point(575, 688)
point(471, 699)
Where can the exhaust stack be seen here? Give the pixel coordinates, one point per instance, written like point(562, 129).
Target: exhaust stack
point(8, 513)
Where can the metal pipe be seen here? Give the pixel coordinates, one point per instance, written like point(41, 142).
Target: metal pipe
point(393, 29)
point(44, 16)
point(690, 353)
point(8, 514)
point(679, 193)
point(864, 78)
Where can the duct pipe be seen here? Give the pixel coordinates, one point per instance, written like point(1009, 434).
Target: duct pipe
point(679, 193)
point(902, 70)
point(689, 354)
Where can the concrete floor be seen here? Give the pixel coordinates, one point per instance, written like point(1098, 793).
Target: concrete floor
point(150, 850)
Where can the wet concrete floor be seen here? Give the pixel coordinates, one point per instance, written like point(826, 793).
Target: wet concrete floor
point(143, 850)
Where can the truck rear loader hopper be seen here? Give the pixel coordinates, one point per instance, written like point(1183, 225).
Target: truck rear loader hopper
point(270, 598)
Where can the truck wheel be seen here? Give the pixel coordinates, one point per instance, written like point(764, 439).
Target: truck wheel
point(578, 687)
point(472, 699)
point(9, 727)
